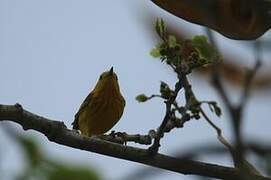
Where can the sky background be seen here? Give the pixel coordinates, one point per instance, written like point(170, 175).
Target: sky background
point(52, 52)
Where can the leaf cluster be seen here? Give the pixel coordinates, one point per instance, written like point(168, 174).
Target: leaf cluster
point(182, 57)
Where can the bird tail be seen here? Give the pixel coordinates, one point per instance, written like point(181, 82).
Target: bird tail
point(75, 123)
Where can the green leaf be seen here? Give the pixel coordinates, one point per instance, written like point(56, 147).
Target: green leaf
point(142, 98)
point(172, 42)
point(215, 108)
point(165, 90)
point(160, 27)
point(218, 111)
point(207, 53)
point(163, 86)
point(155, 52)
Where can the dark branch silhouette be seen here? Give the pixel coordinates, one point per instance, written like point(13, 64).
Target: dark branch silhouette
point(57, 132)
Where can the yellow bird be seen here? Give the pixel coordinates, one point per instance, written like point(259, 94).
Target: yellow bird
point(102, 108)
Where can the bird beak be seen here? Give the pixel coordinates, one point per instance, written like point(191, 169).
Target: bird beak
point(111, 71)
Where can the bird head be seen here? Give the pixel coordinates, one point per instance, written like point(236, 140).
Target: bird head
point(108, 81)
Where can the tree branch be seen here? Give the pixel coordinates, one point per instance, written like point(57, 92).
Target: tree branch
point(57, 132)
point(195, 152)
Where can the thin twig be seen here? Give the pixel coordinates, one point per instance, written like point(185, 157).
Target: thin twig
point(156, 144)
point(218, 131)
point(123, 138)
point(249, 76)
point(237, 112)
point(220, 137)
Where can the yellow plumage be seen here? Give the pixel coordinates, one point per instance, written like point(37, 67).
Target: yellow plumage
point(102, 108)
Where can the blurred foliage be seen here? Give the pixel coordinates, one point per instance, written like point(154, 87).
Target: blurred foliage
point(37, 166)
point(264, 162)
point(268, 166)
point(72, 173)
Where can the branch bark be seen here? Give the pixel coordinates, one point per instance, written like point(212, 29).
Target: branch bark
point(57, 132)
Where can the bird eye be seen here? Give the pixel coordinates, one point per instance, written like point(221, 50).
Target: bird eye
point(101, 76)
point(116, 77)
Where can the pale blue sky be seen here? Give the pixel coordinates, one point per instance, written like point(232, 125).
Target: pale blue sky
point(52, 52)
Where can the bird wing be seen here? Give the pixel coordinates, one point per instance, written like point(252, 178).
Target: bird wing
point(82, 107)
